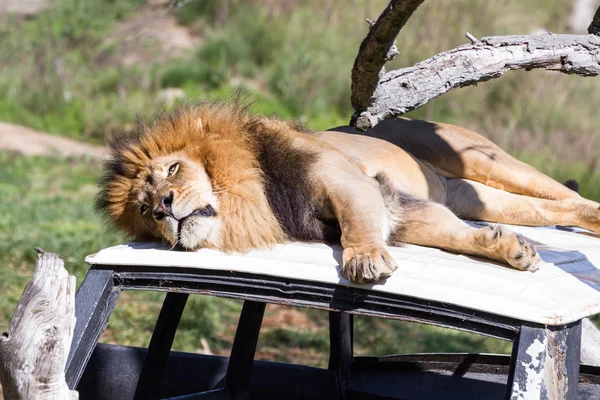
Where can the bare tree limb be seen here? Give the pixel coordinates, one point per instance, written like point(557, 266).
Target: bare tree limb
point(375, 50)
point(406, 89)
point(33, 353)
point(594, 28)
point(472, 38)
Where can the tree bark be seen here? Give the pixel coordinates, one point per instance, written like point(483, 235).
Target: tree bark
point(406, 89)
point(375, 50)
point(33, 353)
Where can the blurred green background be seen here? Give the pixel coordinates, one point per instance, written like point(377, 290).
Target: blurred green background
point(86, 69)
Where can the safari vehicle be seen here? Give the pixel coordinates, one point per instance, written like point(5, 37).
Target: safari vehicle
point(541, 313)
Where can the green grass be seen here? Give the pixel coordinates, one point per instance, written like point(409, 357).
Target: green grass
point(46, 202)
point(54, 73)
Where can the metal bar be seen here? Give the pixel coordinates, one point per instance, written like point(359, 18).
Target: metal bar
point(341, 347)
point(458, 364)
point(94, 302)
point(341, 338)
point(320, 296)
point(155, 362)
point(545, 363)
point(243, 349)
point(514, 356)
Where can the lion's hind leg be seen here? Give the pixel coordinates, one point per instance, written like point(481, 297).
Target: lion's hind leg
point(504, 172)
point(473, 200)
point(433, 225)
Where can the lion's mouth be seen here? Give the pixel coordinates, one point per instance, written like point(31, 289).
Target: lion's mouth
point(204, 212)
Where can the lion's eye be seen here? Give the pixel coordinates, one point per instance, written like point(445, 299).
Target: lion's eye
point(173, 169)
point(143, 208)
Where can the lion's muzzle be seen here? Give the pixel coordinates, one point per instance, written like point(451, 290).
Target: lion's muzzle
point(164, 207)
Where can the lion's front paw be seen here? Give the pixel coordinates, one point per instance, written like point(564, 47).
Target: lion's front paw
point(367, 265)
point(510, 247)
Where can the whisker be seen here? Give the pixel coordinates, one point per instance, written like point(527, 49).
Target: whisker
point(216, 176)
point(226, 191)
point(221, 190)
point(177, 242)
point(233, 195)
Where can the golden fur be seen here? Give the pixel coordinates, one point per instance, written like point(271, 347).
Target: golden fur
point(213, 135)
point(212, 175)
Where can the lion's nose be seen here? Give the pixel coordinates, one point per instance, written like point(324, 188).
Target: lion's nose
point(164, 207)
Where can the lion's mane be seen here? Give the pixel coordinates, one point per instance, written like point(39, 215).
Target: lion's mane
point(260, 179)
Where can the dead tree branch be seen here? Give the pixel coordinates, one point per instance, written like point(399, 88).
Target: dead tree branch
point(33, 353)
point(375, 50)
point(594, 28)
point(406, 89)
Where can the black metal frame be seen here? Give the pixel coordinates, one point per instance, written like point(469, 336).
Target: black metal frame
point(99, 292)
point(155, 362)
point(95, 301)
point(341, 346)
point(298, 293)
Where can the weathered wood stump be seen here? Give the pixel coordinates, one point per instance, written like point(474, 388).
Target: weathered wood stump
point(33, 353)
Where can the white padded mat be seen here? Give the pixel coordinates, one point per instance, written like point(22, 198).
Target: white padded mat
point(566, 288)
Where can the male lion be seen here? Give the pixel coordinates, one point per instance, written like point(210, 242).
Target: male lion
point(212, 175)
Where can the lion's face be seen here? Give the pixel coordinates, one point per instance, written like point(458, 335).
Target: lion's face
point(175, 200)
point(192, 178)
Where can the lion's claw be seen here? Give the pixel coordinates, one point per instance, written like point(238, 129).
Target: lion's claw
point(367, 266)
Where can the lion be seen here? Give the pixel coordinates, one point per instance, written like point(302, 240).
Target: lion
point(212, 175)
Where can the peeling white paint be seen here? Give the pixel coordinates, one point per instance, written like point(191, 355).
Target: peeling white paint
point(517, 392)
point(536, 352)
point(533, 371)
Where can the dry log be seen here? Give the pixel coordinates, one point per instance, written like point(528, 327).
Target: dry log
point(406, 89)
point(377, 48)
point(33, 353)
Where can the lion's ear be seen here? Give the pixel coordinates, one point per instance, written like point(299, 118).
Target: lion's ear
point(200, 126)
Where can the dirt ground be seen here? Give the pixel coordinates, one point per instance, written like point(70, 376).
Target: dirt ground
point(30, 142)
point(24, 7)
point(151, 31)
